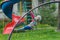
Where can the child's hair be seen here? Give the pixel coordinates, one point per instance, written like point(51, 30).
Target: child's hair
point(38, 18)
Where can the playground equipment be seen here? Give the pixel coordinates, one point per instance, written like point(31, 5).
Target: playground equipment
point(27, 13)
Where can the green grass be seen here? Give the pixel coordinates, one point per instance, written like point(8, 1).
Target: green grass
point(45, 33)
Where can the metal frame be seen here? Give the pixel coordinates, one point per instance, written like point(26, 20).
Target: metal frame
point(9, 38)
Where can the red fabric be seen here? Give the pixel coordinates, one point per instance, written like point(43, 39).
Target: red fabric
point(16, 18)
point(9, 27)
point(32, 15)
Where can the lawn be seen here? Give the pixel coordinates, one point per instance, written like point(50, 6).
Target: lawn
point(45, 32)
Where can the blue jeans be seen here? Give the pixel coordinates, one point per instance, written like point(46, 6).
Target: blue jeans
point(27, 28)
point(7, 7)
point(15, 1)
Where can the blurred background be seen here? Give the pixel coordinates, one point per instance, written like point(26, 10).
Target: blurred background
point(47, 25)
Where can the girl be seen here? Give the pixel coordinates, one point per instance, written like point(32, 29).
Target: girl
point(29, 26)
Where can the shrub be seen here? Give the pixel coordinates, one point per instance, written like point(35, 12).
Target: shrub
point(47, 14)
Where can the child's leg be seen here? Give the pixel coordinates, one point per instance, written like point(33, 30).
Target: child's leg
point(15, 1)
point(8, 6)
point(23, 29)
point(7, 9)
point(27, 28)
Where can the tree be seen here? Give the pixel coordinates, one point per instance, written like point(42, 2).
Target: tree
point(0, 1)
point(58, 18)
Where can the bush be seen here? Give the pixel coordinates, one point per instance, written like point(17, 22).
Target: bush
point(47, 14)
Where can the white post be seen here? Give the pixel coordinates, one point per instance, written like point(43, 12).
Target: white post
point(55, 13)
point(35, 4)
point(15, 9)
point(57, 4)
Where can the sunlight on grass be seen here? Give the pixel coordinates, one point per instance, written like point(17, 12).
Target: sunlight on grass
point(37, 35)
point(47, 33)
point(3, 37)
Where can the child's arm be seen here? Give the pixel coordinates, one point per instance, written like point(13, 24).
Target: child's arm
point(32, 24)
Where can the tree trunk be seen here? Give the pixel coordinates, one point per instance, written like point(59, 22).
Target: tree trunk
point(58, 18)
